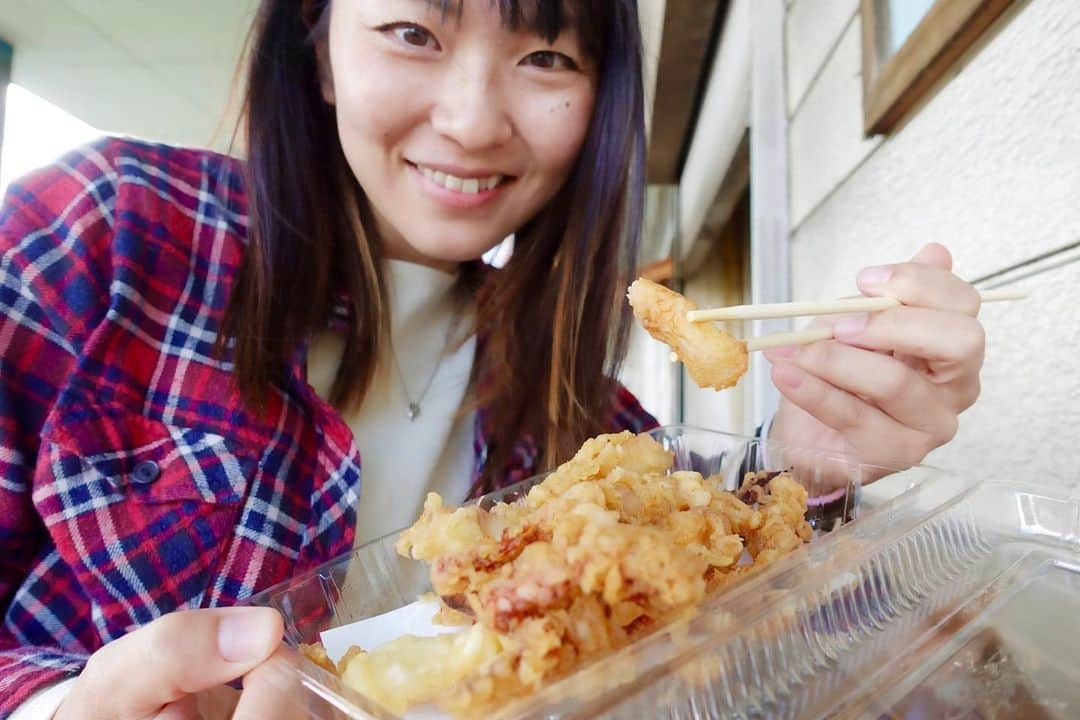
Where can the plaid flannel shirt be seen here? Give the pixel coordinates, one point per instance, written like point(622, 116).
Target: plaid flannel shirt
point(133, 482)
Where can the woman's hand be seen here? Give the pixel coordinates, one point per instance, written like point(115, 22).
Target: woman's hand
point(175, 668)
point(891, 385)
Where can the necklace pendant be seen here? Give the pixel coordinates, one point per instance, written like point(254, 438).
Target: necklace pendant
point(414, 411)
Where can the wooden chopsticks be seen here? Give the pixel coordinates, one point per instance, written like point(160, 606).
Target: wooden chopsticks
point(813, 309)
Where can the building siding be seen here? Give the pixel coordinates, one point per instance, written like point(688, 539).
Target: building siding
point(989, 166)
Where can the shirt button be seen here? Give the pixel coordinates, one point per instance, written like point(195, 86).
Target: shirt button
point(146, 472)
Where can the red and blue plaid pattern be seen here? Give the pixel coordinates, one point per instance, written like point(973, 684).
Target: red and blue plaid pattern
point(133, 481)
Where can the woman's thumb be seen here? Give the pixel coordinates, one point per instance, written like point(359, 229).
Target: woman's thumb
point(176, 655)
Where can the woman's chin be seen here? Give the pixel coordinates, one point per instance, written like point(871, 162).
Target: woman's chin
point(445, 252)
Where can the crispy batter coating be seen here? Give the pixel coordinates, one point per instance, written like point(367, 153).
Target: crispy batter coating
point(713, 358)
point(411, 670)
point(317, 654)
point(608, 548)
point(784, 527)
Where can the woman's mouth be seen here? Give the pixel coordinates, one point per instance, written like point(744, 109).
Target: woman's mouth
point(465, 190)
point(469, 186)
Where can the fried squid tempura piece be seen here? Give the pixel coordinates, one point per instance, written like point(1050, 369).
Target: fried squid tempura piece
point(784, 527)
point(597, 459)
point(411, 670)
point(465, 545)
point(316, 653)
point(712, 357)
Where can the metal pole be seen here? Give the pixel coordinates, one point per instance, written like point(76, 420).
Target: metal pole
point(6, 55)
point(677, 244)
point(770, 271)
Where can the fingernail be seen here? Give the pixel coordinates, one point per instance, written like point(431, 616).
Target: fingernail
point(872, 278)
point(242, 635)
point(787, 375)
point(850, 326)
point(784, 351)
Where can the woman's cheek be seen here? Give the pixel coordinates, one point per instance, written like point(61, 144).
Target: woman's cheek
point(373, 89)
point(558, 127)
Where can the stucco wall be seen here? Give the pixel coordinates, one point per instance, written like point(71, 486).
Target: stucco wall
point(990, 166)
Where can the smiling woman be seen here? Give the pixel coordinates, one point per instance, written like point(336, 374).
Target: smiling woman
point(197, 351)
point(540, 102)
point(251, 329)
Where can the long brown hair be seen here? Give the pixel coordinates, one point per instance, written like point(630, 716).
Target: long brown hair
point(552, 323)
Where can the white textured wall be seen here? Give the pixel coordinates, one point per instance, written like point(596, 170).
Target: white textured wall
point(812, 27)
point(1026, 425)
point(990, 166)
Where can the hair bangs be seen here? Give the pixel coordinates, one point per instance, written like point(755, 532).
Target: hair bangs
point(546, 18)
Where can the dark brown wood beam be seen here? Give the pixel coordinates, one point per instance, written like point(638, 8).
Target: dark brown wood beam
point(685, 57)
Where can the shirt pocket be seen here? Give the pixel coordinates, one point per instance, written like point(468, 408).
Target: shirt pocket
point(142, 512)
point(146, 460)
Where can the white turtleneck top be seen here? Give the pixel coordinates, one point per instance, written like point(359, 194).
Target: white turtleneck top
point(402, 459)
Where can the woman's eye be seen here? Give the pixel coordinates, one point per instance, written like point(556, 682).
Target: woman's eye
point(414, 36)
point(550, 60)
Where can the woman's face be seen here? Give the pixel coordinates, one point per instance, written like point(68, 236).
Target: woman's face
point(458, 129)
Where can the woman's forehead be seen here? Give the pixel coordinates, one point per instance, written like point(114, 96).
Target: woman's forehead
point(546, 18)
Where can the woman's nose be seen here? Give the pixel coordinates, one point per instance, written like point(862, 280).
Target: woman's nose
point(472, 109)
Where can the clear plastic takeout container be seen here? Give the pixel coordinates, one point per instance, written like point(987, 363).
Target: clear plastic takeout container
point(924, 594)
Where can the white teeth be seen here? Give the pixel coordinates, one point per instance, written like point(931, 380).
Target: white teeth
point(469, 186)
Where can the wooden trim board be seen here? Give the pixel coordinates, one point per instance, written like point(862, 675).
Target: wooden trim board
point(892, 88)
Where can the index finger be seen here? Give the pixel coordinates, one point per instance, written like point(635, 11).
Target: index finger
point(918, 285)
point(926, 281)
